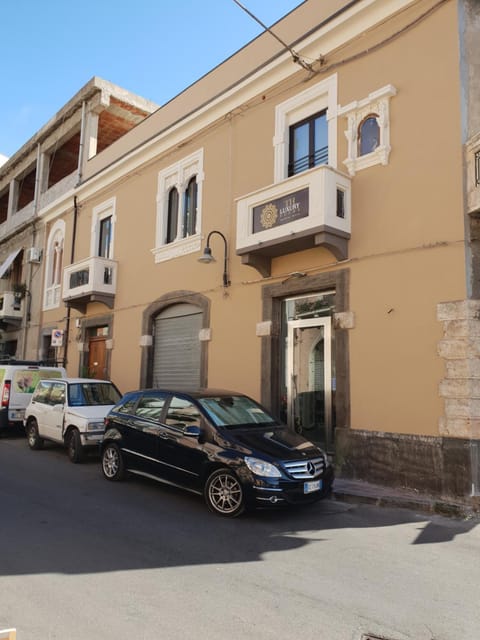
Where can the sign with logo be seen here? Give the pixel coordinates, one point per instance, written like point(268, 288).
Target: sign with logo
point(280, 211)
point(57, 338)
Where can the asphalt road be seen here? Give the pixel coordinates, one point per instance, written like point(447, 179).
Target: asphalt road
point(82, 558)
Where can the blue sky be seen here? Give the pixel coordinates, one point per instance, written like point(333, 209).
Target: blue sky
point(154, 48)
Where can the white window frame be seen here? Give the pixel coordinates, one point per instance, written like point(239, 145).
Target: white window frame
point(52, 291)
point(105, 210)
point(178, 175)
point(320, 97)
point(377, 102)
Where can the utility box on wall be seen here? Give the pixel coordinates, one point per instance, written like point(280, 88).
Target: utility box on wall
point(34, 254)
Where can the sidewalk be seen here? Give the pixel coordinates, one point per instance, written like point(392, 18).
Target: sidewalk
point(357, 491)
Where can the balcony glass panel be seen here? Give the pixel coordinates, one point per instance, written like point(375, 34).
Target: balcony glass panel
point(79, 278)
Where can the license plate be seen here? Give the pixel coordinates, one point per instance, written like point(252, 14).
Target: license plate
point(314, 485)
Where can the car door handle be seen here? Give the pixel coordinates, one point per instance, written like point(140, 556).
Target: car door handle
point(164, 436)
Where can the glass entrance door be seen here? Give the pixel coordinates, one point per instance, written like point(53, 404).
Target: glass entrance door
point(309, 379)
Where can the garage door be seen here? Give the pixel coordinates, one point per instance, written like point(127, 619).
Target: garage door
point(176, 361)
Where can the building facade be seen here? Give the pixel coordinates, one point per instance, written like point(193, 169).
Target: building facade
point(37, 182)
point(336, 182)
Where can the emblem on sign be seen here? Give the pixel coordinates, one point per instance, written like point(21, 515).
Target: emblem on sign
point(269, 216)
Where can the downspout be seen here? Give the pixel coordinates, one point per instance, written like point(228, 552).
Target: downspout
point(28, 294)
point(75, 216)
point(81, 149)
point(72, 259)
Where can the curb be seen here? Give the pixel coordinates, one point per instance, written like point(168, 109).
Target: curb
point(423, 504)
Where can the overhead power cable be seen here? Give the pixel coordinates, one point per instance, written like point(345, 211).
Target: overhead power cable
point(295, 56)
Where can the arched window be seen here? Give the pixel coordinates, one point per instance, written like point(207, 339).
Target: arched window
point(54, 265)
point(172, 215)
point(179, 208)
point(190, 209)
point(368, 135)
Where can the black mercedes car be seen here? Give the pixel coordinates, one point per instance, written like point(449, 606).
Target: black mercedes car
point(219, 443)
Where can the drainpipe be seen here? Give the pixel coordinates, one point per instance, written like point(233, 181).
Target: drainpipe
point(29, 278)
point(72, 259)
point(81, 149)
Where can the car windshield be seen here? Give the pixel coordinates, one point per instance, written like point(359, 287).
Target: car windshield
point(87, 394)
point(235, 411)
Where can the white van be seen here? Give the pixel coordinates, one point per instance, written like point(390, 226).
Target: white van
point(18, 380)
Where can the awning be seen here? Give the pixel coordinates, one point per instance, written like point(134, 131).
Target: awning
point(8, 262)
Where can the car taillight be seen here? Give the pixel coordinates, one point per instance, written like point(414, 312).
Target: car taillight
point(6, 393)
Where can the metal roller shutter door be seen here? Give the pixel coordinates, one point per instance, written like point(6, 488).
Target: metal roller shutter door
point(177, 351)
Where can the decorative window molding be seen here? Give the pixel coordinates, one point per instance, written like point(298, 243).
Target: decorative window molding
point(186, 177)
point(321, 96)
point(377, 106)
point(101, 213)
point(54, 266)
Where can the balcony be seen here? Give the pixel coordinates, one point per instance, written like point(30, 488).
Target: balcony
point(472, 157)
point(90, 280)
point(311, 209)
point(11, 309)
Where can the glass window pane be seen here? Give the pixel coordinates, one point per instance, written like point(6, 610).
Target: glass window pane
point(235, 411)
point(150, 406)
point(190, 213)
point(105, 237)
point(300, 147)
point(321, 140)
point(172, 216)
point(182, 412)
point(369, 135)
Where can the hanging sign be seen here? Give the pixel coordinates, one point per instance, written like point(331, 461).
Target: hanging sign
point(280, 211)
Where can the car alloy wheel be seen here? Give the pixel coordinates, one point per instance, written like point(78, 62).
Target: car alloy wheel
point(112, 463)
point(224, 493)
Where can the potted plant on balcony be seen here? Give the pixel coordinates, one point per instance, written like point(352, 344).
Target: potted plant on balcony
point(19, 290)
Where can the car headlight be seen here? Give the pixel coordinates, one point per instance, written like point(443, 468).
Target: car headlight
point(95, 426)
point(262, 468)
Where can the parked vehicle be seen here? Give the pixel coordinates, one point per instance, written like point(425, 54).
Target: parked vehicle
point(218, 443)
point(70, 411)
point(18, 380)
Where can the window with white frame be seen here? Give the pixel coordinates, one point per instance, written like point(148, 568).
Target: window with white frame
point(103, 227)
point(54, 266)
point(306, 130)
point(179, 198)
point(368, 130)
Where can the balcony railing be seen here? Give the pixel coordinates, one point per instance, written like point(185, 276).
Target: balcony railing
point(11, 307)
point(90, 280)
point(310, 209)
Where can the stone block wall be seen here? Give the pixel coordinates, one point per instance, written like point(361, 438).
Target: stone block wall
point(460, 349)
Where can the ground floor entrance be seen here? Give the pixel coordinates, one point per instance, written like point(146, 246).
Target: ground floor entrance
point(308, 367)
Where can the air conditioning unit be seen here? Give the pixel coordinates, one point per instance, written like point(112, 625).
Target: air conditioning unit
point(34, 254)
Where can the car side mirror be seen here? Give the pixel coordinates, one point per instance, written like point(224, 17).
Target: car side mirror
point(192, 431)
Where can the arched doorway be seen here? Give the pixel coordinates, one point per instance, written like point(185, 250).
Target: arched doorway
point(175, 353)
point(176, 347)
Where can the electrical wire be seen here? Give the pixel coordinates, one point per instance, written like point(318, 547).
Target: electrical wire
point(295, 56)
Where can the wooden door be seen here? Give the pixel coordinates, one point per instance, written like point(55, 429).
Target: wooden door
point(97, 359)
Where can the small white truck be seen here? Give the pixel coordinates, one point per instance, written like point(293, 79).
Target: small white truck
point(71, 412)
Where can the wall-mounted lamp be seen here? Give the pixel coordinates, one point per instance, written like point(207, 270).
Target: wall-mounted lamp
point(207, 256)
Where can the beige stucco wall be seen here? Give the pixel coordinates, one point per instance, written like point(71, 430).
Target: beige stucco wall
point(406, 251)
